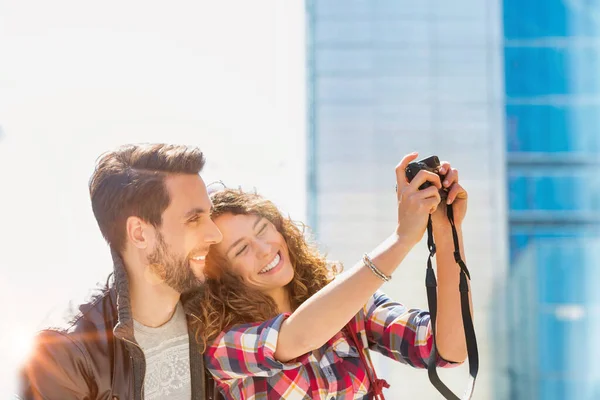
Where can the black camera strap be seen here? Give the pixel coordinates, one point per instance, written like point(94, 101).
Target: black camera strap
point(431, 283)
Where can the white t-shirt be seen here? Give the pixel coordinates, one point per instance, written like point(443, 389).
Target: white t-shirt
point(167, 351)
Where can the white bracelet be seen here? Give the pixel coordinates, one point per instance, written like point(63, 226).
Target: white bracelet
point(369, 263)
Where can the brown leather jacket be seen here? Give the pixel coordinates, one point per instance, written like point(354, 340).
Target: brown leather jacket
point(94, 355)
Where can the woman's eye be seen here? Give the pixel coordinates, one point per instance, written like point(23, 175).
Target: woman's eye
point(241, 250)
point(263, 228)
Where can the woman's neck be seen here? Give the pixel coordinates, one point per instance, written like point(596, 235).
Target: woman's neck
point(281, 297)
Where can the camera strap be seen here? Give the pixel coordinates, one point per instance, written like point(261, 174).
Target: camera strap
point(431, 284)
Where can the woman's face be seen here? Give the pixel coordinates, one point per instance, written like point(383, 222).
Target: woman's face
point(256, 251)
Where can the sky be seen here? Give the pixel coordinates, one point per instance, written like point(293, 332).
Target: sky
point(78, 78)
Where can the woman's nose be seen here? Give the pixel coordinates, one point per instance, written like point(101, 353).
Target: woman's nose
point(263, 249)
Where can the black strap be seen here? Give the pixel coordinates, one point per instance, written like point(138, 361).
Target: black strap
point(431, 284)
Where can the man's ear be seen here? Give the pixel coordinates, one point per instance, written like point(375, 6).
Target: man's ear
point(137, 232)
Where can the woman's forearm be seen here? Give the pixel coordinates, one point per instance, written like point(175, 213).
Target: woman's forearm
point(450, 334)
point(319, 318)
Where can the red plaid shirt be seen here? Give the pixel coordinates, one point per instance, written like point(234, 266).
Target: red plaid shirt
point(242, 363)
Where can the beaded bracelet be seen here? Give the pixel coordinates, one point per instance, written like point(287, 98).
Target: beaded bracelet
point(369, 263)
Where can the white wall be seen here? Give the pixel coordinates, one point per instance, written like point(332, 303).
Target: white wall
point(77, 78)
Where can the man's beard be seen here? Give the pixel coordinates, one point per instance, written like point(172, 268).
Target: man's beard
point(175, 271)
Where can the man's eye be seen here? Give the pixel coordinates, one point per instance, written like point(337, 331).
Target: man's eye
point(241, 250)
point(194, 219)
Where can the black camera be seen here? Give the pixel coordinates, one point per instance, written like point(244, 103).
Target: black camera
point(431, 164)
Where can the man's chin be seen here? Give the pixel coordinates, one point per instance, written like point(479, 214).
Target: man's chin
point(189, 287)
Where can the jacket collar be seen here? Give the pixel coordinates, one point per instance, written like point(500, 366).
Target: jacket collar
point(124, 327)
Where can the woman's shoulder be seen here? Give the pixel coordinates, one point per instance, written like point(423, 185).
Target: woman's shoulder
point(250, 331)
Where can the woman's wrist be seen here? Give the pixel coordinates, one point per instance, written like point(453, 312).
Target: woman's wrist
point(445, 229)
point(400, 243)
point(400, 240)
point(390, 253)
point(378, 273)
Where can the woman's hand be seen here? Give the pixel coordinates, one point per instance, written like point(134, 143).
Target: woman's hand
point(457, 196)
point(414, 205)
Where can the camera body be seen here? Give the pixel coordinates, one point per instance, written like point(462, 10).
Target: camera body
point(431, 164)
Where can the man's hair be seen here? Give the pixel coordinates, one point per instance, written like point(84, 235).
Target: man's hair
point(130, 181)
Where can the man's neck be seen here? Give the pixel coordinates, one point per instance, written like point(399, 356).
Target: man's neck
point(152, 302)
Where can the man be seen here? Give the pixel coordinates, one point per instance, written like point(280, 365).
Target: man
point(131, 340)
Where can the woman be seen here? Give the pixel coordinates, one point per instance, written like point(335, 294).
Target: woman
point(274, 323)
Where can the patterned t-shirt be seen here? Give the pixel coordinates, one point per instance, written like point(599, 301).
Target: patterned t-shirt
point(167, 351)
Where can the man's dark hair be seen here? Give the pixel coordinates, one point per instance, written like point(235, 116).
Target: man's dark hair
point(130, 181)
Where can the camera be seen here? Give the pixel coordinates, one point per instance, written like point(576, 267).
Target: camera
point(431, 164)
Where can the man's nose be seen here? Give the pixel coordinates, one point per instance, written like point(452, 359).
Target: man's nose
point(213, 234)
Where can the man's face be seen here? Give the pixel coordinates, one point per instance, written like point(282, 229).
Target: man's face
point(185, 235)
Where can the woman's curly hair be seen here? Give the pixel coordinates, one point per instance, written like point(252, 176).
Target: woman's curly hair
point(226, 300)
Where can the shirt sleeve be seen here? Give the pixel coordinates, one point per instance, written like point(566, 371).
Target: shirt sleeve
point(400, 333)
point(248, 350)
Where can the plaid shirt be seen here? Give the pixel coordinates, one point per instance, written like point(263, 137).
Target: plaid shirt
point(242, 363)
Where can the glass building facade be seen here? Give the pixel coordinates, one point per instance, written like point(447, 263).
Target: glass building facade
point(387, 77)
point(552, 81)
point(511, 91)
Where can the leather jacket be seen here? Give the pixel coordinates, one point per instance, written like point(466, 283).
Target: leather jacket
point(94, 355)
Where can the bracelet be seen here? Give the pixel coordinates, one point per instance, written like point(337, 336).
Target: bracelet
point(369, 263)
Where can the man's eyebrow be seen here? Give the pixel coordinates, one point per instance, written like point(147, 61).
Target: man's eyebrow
point(194, 211)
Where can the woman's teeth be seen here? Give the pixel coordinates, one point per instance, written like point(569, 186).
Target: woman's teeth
point(199, 258)
point(271, 265)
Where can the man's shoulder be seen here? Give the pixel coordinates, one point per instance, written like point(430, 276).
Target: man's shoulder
point(83, 329)
point(96, 311)
point(73, 346)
